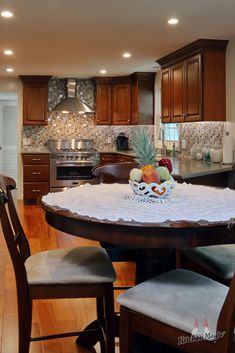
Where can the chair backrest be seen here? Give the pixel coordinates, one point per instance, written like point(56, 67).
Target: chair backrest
point(226, 320)
point(116, 172)
point(12, 230)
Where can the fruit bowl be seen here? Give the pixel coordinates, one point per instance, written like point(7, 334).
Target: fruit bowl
point(162, 190)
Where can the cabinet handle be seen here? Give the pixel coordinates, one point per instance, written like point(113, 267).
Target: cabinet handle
point(36, 173)
point(36, 159)
point(36, 190)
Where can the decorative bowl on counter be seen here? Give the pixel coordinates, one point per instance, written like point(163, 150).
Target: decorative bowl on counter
point(162, 190)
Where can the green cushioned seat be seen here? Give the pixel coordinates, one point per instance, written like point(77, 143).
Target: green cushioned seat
point(177, 298)
point(219, 259)
point(72, 265)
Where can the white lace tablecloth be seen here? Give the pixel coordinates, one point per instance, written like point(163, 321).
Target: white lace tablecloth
point(116, 201)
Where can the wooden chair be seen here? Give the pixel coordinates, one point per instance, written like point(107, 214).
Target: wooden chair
point(84, 272)
point(168, 308)
point(116, 173)
point(216, 261)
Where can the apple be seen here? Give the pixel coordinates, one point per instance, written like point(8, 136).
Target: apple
point(151, 176)
point(166, 162)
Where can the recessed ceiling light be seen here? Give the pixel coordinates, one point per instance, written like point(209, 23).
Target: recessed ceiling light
point(9, 69)
point(6, 14)
point(103, 71)
point(126, 55)
point(173, 21)
point(8, 52)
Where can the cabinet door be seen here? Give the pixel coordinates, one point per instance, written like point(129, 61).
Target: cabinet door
point(177, 92)
point(35, 98)
point(166, 100)
point(122, 104)
point(193, 89)
point(134, 103)
point(103, 104)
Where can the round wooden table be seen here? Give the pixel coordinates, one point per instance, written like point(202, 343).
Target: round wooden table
point(178, 235)
point(160, 237)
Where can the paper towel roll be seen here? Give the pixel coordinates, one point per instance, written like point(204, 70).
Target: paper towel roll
point(227, 148)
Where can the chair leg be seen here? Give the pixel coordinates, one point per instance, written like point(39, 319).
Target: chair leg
point(109, 319)
point(126, 334)
point(101, 323)
point(25, 324)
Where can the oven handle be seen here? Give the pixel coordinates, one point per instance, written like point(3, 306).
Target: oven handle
point(79, 164)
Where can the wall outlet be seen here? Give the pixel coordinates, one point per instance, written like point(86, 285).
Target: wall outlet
point(109, 140)
point(183, 144)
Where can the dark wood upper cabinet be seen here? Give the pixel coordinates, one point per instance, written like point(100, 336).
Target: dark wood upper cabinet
point(35, 99)
point(166, 95)
point(193, 82)
point(177, 96)
point(125, 100)
point(103, 104)
point(121, 104)
point(142, 98)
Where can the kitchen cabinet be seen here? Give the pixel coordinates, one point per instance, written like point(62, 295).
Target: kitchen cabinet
point(35, 99)
point(103, 103)
point(36, 175)
point(126, 100)
point(108, 158)
point(124, 158)
point(142, 98)
point(193, 82)
point(121, 103)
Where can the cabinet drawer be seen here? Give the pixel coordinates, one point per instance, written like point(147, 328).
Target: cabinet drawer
point(33, 190)
point(36, 158)
point(36, 173)
point(107, 158)
point(122, 158)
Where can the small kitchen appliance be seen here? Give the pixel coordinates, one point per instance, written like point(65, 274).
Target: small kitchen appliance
point(122, 142)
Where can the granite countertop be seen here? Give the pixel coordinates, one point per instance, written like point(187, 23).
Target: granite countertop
point(34, 150)
point(186, 168)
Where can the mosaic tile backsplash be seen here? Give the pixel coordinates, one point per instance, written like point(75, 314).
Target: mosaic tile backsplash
point(74, 125)
point(201, 132)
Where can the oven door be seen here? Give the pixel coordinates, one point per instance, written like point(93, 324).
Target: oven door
point(69, 174)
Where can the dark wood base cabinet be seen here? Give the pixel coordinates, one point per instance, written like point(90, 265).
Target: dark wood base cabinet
point(109, 158)
point(36, 175)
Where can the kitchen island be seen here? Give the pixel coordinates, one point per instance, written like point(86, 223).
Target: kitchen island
point(185, 169)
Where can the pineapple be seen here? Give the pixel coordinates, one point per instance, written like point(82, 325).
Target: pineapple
point(143, 145)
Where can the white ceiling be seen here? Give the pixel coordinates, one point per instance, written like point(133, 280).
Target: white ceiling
point(77, 38)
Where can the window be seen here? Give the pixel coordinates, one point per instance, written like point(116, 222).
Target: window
point(171, 132)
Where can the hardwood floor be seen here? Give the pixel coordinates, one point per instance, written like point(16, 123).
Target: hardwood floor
point(49, 316)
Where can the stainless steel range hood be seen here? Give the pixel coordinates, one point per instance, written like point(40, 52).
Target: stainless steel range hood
point(72, 103)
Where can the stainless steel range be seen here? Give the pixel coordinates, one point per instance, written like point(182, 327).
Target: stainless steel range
point(71, 162)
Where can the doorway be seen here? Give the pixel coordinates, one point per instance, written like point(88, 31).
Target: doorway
point(8, 134)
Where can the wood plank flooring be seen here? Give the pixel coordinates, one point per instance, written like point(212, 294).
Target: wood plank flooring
point(49, 316)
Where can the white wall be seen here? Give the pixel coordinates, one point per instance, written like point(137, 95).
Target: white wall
point(14, 85)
